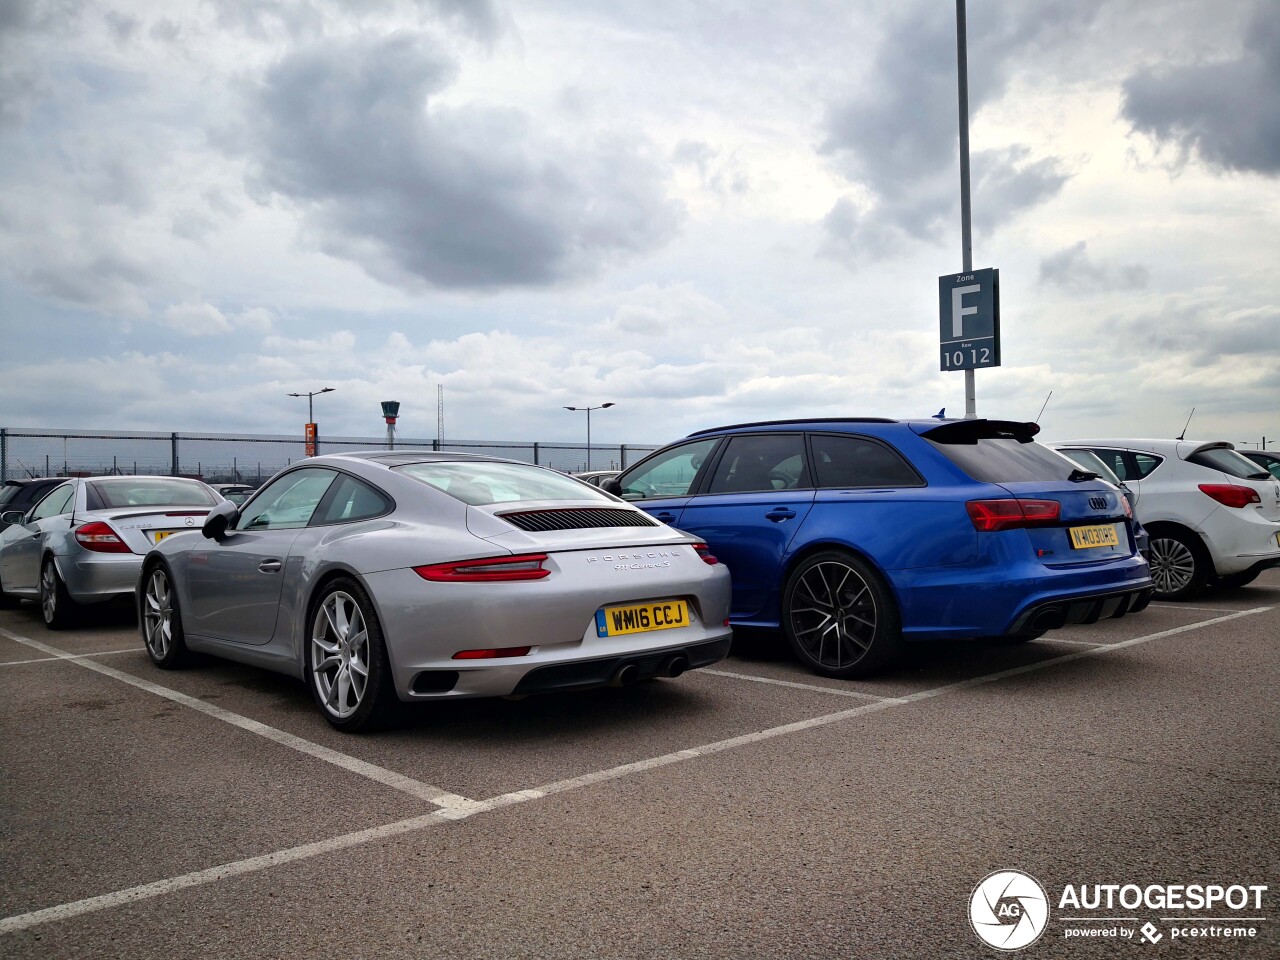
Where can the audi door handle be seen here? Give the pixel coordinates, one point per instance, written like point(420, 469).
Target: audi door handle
point(779, 514)
point(269, 566)
point(664, 516)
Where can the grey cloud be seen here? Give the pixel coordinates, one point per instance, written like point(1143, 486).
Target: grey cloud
point(192, 225)
point(1205, 332)
point(1004, 182)
point(1227, 112)
point(897, 136)
point(453, 197)
point(122, 27)
point(1073, 269)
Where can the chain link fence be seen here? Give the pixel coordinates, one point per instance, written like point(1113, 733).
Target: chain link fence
point(226, 458)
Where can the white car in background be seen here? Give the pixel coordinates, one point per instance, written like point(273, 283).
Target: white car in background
point(1213, 515)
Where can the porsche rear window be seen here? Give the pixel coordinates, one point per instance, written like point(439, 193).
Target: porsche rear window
point(478, 483)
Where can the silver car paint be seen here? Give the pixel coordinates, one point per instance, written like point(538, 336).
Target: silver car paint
point(426, 623)
point(89, 576)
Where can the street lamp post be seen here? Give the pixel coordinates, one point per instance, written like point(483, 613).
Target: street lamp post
point(588, 410)
point(311, 432)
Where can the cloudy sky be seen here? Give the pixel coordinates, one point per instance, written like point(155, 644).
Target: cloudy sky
point(703, 211)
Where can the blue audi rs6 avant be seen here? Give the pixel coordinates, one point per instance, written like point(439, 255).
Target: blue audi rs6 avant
point(853, 535)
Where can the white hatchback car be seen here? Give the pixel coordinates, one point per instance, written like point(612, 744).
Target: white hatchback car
point(1213, 515)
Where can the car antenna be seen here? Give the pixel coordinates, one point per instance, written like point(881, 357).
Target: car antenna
point(941, 414)
point(1183, 434)
point(1042, 406)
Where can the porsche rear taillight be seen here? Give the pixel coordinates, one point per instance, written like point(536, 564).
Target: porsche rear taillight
point(705, 553)
point(527, 566)
point(100, 538)
point(989, 516)
point(1231, 494)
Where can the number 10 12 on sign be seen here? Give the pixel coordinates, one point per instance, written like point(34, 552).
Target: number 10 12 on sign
point(967, 356)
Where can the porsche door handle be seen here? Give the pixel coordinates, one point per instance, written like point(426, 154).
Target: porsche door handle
point(269, 566)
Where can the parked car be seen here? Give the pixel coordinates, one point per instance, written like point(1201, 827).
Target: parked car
point(1269, 460)
point(18, 495)
point(853, 535)
point(1089, 461)
point(383, 576)
point(1213, 514)
point(594, 477)
point(83, 541)
point(237, 493)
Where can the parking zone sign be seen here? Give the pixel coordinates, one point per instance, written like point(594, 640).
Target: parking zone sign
point(969, 320)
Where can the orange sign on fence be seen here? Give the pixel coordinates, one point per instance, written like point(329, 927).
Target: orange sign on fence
point(310, 434)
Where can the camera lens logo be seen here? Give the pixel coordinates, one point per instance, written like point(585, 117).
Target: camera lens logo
point(1009, 910)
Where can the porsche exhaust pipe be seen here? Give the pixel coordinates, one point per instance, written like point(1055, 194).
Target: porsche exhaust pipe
point(675, 665)
point(626, 675)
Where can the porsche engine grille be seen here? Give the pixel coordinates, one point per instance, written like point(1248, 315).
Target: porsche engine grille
point(577, 518)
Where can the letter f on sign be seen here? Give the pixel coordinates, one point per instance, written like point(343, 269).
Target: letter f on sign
point(958, 310)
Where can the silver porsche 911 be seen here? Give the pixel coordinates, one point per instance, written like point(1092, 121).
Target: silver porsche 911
point(83, 542)
point(384, 577)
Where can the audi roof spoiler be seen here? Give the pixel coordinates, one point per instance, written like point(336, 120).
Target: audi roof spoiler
point(798, 420)
point(971, 431)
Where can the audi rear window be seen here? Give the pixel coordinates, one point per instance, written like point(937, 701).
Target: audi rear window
point(1006, 460)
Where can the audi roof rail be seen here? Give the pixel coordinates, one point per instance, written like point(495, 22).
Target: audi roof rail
point(783, 423)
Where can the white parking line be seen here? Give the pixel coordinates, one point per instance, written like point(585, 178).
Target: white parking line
point(1075, 643)
point(69, 656)
point(1165, 605)
point(471, 808)
point(795, 686)
point(370, 771)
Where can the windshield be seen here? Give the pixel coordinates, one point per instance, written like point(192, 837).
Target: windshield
point(483, 482)
point(147, 492)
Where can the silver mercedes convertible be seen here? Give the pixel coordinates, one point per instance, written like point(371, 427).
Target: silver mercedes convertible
point(384, 577)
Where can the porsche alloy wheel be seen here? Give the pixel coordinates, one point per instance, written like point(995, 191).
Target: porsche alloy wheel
point(346, 660)
point(160, 621)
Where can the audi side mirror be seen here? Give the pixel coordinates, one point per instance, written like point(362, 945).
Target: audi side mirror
point(611, 485)
point(219, 518)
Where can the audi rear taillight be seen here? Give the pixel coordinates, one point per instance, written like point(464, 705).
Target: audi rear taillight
point(705, 553)
point(1230, 494)
point(100, 538)
point(527, 566)
point(989, 516)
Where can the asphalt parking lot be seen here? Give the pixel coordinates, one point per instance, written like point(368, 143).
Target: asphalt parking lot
point(749, 810)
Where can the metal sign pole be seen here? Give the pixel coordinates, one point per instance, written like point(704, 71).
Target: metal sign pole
point(966, 230)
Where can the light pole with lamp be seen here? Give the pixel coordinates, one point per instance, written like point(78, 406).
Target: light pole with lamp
point(588, 410)
point(310, 432)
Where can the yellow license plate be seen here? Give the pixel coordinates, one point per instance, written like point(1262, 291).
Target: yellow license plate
point(1083, 538)
point(161, 534)
point(641, 617)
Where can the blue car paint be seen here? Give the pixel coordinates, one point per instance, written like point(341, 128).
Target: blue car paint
point(949, 579)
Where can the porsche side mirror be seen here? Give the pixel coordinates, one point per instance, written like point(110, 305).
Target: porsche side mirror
point(219, 518)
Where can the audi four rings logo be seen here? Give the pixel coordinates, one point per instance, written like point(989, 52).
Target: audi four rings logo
point(1009, 910)
point(1098, 503)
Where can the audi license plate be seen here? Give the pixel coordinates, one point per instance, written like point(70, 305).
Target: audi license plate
point(641, 617)
point(1103, 535)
